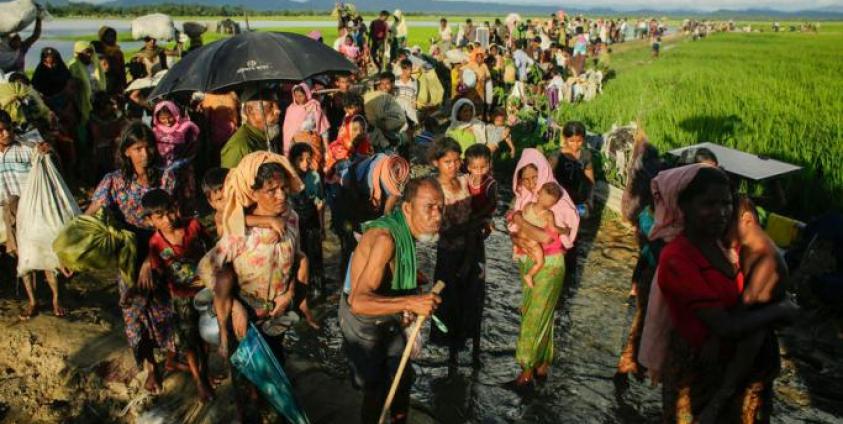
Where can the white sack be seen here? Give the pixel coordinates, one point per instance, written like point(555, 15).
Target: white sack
point(45, 205)
point(18, 14)
point(157, 25)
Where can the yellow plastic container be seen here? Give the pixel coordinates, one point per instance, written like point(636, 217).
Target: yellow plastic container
point(783, 230)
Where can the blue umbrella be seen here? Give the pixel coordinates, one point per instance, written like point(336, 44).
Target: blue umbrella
point(255, 360)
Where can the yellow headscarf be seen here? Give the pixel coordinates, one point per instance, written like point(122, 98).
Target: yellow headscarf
point(238, 192)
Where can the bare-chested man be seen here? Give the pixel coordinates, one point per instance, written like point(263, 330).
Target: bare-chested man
point(381, 289)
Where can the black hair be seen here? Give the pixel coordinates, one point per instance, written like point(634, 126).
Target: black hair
point(413, 186)
point(430, 123)
point(386, 75)
point(137, 69)
point(269, 171)
point(214, 180)
point(406, 64)
point(297, 151)
point(444, 146)
point(100, 99)
point(744, 204)
point(706, 177)
point(352, 99)
point(6, 119)
point(19, 77)
point(134, 133)
point(478, 150)
point(573, 128)
point(384, 13)
point(157, 201)
point(468, 21)
point(552, 189)
point(703, 154)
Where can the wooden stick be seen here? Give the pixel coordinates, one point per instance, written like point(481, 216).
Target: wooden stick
point(437, 288)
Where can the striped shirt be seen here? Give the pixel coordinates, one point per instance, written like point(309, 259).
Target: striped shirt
point(15, 164)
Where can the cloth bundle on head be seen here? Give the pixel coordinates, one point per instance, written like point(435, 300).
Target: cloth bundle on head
point(81, 46)
point(401, 28)
point(564, 211)
point(238, 193)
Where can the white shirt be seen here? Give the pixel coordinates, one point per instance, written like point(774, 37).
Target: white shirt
point(15, 164)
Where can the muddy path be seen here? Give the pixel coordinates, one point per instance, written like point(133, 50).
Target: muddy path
point(79, 370)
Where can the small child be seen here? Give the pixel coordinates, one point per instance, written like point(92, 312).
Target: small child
point(175, 250)
point(407, 91)
point(481, 185)
point(352, 141)
point(177, 140)
point(310, 207)
point(765, 273)
point(499, 132)
point(176, 137)
point(212, 187)
point(657, 43)
point(539, 213)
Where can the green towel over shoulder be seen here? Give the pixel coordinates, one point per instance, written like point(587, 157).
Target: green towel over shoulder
point(405, 277)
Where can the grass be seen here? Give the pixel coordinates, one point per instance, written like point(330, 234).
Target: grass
point(770, 94)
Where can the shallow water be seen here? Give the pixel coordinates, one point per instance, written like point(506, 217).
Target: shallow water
point(62, 28)
point(591, 325)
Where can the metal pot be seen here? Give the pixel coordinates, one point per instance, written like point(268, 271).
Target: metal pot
point(209, 328)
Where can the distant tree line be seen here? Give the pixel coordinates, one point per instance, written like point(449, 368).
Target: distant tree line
point(74, 9)
point(88, 9)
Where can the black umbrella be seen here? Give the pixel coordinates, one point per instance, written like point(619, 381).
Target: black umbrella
point(251, 57)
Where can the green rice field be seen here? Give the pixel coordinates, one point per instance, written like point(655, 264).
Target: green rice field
point(772, 94)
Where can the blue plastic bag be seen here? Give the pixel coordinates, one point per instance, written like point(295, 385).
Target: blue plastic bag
point(255, 360)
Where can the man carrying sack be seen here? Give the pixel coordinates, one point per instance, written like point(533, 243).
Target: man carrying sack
point(381, 290)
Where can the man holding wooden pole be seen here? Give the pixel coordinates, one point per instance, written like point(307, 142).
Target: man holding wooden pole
point(381, 296)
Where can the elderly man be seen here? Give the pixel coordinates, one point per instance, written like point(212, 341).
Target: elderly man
point(380, 296)
point(260, 129)
point(13, 50)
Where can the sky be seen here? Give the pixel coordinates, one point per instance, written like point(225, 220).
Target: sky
point(787, 5)
point(705, 5)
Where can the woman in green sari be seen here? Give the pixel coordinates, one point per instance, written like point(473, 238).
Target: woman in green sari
point(534, 351)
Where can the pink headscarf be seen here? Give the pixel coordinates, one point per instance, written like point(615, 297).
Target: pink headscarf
point(666, 187)
point(296, 115)
point(564, 211)
point(173, 141)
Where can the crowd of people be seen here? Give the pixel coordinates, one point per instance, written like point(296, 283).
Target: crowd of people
point(235, 192)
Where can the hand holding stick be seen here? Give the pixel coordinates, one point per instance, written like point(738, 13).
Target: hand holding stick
point(405, 357)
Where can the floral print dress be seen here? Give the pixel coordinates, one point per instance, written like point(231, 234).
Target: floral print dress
point(148, 316)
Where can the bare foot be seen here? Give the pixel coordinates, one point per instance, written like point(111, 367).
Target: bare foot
point(542, 371)
point(312, 323)
point(523, 380)
point(633, 291)
point(528, 280)
point(30, 311)
point(58, 310)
